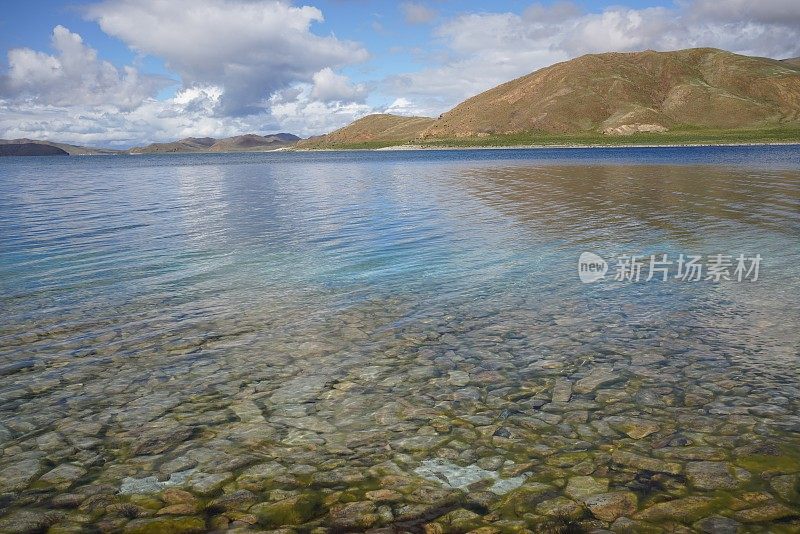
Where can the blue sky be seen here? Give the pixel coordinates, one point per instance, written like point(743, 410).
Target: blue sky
point(380, 25)
point(121, 72)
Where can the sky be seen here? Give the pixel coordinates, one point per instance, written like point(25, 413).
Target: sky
point(120, 73)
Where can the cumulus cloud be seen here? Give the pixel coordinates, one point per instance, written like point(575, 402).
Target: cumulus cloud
point(482, 50)
point(153, 121)
point(74, 75)
point(307, 115)
point(332, 87)
point(403, 106)
point(191, 112)
point(244, 66)
point(416, 13)
point(251, 49)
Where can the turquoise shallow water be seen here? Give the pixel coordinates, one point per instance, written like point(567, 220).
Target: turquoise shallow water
point(187, 231)
point(397, 294)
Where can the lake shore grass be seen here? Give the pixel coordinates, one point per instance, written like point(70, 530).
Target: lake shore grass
point(685, 137)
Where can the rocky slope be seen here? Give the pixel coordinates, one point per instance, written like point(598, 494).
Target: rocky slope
point(620, 93)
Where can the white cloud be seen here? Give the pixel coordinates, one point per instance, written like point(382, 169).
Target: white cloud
point(237, 60)
point(332, 87)
point(482, 50)
point(251, 49)
point(403, 106)
point(306, 115)
point(152, 121)
point(417, 13)
point(74, 75)
point(191, 112)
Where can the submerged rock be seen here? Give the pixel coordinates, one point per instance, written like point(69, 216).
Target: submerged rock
point(18, 475)
point(584, 486)
point(642, 462)
point(178, 509)
point(458, 378)
point(177, 496)
point(562, 390)
point(710, 475)
point(787, 487)
point(300, 389)
point(560, 507)
point(717, 524)
point(595, 379)
point(634, 427)
point(164, 525)
point(353, 515)
point(460, 520)
point(288, 512)
point(26, 522)
point(420, 443)
point(152, 484)
point(685, 510)
point(610, 506)
point(457, 477)
point(771, 511)
point(64, 474)
point(157, 439)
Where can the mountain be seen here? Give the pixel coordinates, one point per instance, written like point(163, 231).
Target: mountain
point(372, 128)
point(252, 142)
point(39, 148)
point(621, 93)
point(189, 144)
point(239, 143)
point(31, 149)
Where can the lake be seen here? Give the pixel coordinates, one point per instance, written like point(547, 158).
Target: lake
point(403, 339)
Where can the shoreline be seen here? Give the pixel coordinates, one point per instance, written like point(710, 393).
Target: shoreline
point(413, 147)
point(402, 148)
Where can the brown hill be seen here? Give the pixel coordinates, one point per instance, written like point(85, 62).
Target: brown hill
point(620, 93)
point(378, 127)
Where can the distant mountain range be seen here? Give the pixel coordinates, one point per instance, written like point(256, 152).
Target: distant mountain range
point(605, 95)
point(239, 143)
point(612, 94)
point(32, 147)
